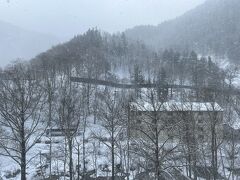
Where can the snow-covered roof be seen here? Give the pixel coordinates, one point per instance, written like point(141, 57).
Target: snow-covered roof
point(175, 106)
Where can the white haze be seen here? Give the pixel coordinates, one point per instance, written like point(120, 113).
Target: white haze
point(69, 17)
point(66, 18)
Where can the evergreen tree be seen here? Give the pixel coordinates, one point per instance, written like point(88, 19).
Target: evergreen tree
point(137, 78)
point(162, 89)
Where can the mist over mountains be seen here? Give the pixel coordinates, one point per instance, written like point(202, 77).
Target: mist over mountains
point(16, 43)
point(211, 28)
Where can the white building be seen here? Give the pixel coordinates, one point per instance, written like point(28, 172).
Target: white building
point(175, 119)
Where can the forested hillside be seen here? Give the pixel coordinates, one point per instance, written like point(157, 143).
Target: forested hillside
point(95, 53)
point(101, 56)
point(211, 28)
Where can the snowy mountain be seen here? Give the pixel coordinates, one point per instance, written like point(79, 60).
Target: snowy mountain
point(211, 28)
point(16, 43)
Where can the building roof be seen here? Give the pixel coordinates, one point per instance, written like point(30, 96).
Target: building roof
point(175, 106)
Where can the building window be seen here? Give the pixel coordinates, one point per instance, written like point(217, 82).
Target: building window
point(200, 121)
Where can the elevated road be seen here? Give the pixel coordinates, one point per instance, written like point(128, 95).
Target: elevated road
point(232, 91)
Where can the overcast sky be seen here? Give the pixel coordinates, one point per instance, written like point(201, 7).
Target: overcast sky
point(64, 18)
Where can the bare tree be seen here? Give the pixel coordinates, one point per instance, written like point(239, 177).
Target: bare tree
point(215, 136)
point(111, 115)
point(151, 131)
point(190, 134)
point(69, 112)
point(21, 102)
point(50, 91)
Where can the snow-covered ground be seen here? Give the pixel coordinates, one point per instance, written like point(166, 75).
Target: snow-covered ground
point(97, 154)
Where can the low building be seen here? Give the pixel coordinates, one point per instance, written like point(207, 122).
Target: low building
point(177, 120)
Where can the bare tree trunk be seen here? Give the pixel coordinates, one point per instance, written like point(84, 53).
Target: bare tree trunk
point(95, 158)
point(70, 158)
point(23, 157)
point(214, 153)
point(222, 161)
point(50, 126)
point(78, 170)
point(113, 160)
point(23, 143)
point(50, 158)
point(65, 158)
point(84, 150)
point(128, 143)
point(189, 155)
point(157, 163)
